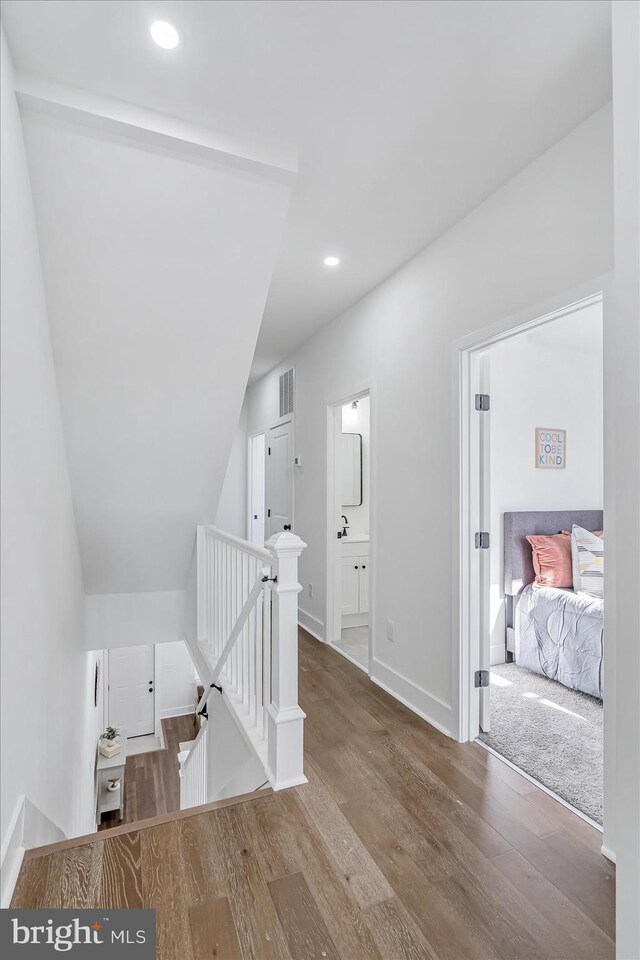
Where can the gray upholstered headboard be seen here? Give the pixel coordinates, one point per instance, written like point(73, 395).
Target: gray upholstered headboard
point(518, 565)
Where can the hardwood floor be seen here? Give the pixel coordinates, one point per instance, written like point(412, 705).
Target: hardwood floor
point(151, 781)
point(403, 844)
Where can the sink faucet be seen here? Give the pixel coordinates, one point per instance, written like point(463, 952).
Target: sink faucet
point(346, 525)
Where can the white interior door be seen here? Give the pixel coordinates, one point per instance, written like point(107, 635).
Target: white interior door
point(131, 689)
point(256, 488)
point(280, 478)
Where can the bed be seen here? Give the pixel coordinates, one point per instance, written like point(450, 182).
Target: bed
point(556, 633)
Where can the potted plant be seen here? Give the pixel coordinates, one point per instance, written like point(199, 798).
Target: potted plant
point(109, 742)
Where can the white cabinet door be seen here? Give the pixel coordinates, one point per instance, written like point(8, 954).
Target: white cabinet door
point(280, 478)
point(350, 585)
point(131, 696)
point(363, 605)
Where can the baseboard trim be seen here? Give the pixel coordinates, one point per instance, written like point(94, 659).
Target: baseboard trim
point(12, 853)
point(10, 873)
point(416, 698)
point(311, 624)
point(609, 854)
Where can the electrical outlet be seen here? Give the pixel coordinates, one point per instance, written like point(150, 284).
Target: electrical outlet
point(310, 589)
point(390, 629)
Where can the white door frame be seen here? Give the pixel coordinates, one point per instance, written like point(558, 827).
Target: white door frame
point(467, 571)
point(333, 618)
point(251, 467)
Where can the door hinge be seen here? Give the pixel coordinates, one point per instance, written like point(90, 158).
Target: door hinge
point(482, 540)
point(481, 678)
point(483, 401)
point(269, 512)
point(269, 452)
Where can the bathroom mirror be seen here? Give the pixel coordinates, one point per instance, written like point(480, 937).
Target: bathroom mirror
point(351, 469)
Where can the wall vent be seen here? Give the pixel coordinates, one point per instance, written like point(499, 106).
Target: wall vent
point(286, 393)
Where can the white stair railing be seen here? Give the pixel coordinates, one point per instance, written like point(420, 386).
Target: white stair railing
point(242, 634)
point(193, 771)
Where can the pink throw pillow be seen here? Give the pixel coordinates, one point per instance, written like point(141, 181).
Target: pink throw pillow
point(552, 560)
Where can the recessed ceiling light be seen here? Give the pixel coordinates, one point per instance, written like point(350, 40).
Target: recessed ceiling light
point(331, 261)
point(165, 35)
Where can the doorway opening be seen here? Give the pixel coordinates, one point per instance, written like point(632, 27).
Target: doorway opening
point(533, 551)
point(349, 527)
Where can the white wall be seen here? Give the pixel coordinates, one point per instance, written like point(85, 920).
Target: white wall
point(232, 765)
point(622, 355)
point(129, 619)
point(231, 515)
point(50, 724)
point(546, 231)
point(548, 377)
point(175, 680)
point(359, 516)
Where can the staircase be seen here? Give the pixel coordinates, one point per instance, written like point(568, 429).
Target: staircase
point(242, 621)
point(242, 633)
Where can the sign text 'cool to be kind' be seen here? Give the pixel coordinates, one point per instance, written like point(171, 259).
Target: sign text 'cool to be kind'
point(551, 448)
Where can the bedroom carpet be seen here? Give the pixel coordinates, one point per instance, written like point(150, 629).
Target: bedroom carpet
point(552, 733)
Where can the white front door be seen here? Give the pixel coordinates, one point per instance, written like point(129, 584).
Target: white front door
point(256, 489)
point(280, 478)
point(131, 689)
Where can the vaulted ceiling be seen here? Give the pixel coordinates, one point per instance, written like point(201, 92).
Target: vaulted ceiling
point(405, 114)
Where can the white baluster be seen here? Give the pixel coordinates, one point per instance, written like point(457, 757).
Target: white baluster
point(266, 659)
point(244, 648)
point(211, 574)
point(193, 772)
point(251, 650)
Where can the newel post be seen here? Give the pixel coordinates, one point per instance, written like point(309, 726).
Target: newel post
point(285, 718)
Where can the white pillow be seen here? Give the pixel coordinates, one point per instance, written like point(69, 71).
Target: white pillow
point(587, 560)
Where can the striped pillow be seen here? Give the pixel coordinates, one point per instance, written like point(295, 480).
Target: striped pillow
point(587, 554)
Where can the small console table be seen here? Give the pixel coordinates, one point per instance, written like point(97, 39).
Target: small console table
point(110, 768)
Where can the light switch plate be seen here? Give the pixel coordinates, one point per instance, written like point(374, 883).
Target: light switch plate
point(390, 630)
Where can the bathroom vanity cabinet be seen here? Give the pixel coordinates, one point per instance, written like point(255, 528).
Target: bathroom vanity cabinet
point(355, 579)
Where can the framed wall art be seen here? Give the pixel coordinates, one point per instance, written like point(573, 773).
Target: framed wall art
point(551, 448)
